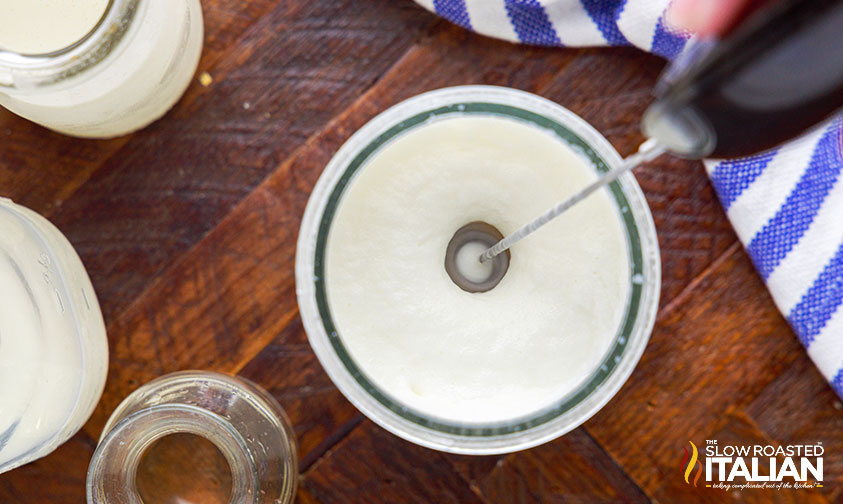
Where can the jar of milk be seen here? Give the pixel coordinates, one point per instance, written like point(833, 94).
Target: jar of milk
point(97, 68)
point(53, 348)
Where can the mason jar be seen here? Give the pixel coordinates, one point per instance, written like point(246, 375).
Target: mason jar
point(157, 445)
point(318, 308)
point(53, 348)
point(131, 67)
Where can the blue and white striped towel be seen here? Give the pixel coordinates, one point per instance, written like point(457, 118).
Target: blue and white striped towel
point(786, 205)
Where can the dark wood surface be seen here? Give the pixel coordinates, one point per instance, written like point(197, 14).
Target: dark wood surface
point(188, 231)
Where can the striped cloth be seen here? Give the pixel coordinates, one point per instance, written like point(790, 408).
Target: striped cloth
point(786, 205)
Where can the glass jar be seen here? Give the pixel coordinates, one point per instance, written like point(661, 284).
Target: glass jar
point(245, 423)
point(566, 413)
point(126, 73)
point(53, 348)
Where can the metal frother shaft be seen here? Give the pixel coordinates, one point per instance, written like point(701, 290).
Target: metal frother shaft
point(648, 151)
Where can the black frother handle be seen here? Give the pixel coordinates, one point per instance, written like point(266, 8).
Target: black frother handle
point(779, 74)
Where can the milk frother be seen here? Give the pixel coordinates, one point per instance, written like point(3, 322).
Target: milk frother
point(777, 75)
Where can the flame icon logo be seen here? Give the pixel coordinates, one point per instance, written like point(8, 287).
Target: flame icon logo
point(694, 462)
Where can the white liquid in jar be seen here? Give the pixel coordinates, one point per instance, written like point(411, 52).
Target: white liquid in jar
point(44, 26)
point(137, 80)
point(53, 348)
point(482, 357)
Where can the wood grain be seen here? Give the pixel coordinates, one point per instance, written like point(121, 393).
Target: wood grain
point(369, 466)
point(188, 230)
point(571, 469)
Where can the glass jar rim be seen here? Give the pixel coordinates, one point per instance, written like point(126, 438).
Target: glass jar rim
point(243, 421)
point(22, 69)
point(350, 379)
point(134, 434)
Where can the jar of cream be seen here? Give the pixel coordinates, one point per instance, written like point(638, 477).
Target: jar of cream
point(464, 371)
point(97, 68)
point(53, 348)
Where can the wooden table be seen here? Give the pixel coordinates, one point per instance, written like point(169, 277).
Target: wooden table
point(188, 231)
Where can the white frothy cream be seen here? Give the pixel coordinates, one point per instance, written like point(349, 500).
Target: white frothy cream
point(482, 357)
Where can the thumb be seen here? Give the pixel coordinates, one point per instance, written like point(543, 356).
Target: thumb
point(705, 17)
